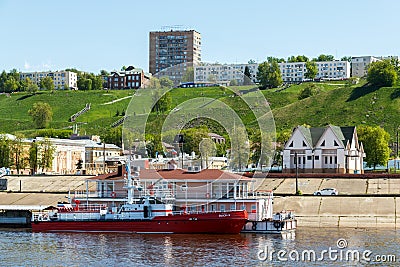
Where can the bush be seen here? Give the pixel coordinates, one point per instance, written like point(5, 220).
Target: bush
point(309, 90)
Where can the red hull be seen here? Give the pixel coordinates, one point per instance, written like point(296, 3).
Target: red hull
point(230, 222)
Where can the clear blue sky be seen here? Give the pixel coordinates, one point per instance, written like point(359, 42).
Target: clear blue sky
point(94, 34)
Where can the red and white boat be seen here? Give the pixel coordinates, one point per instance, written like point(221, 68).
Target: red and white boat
point(146, 214)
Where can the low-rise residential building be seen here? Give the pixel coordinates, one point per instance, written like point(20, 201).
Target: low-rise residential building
point(224, 73)
point(62, 79)
point(332, 70)
point(291, 72)
point(359, 65)
point(332, 149)
point(131, 78)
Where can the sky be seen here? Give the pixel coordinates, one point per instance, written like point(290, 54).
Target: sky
point(92, 35)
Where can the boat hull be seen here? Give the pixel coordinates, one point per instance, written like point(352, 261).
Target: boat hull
point(211, 223)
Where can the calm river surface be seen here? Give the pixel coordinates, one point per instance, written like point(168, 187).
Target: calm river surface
point(23, 248)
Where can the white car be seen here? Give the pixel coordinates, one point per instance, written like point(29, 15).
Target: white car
point(326, 192)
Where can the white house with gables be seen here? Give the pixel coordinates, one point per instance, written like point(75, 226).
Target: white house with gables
point(332, 149)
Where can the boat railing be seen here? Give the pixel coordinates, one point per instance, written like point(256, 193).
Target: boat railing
point(192, 212)
point(83, 208)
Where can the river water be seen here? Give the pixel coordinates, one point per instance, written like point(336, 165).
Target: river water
point(332, 247)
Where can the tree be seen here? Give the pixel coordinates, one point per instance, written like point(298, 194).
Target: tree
point(233, 83)
point(382, 73)
point(17, 151)
point(10, 85)
point(97, 82)
point(312, 70)
point(41, 114)
point(346, 59)
point(279, 60)
point(3, 79)
point(207, 149)
point(5, 151)
point(84, 84)
point(33, 156)
point(309, 90)
point(46, 154)
point(193, 137)
point(269, 74)
point(297, 59)
point(113, 136)
point(154, 83)
point(251, 61)
point(189, 75)
point(47, 83)
point(104, 73)
point(247, 76)
point(32, 88)
point(164, 102)
point(166, 82)
point(323, 57)
point(239, 148)
point(376, 145)
point(395, 62)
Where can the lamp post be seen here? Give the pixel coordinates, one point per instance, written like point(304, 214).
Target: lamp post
point(297, 173)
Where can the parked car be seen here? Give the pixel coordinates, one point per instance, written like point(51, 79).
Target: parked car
point(326, 192)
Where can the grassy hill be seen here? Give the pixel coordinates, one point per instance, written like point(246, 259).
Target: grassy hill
point(335, 104)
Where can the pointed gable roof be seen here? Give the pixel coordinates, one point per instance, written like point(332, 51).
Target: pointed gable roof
point(314, 134)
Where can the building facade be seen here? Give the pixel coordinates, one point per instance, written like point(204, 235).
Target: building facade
point(131, 78)
point(181, 49)
point(62, 79)
point(359, 65)
point(291, 72)
point(224, 73)
point(331, 70)
point(323, 150)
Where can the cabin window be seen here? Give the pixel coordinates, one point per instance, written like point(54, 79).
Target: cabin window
point(212, 207)
point(243, 207)
point(222, 207)
point(233, 207)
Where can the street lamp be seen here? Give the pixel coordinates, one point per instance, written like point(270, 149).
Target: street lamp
point(297, 173)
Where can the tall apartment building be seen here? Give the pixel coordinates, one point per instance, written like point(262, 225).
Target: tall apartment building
point(181, 49)
point(62, 79)
point(224, 73)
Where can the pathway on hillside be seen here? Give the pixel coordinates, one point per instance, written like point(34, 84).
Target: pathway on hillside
point(116, 100)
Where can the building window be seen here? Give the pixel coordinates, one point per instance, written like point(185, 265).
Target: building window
point(304, 144)
point(291, 144)
point(335, 143)
point(335, 159)
point(323, 143)
point(326, 160)
point(309, 157)
point(316, 157)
